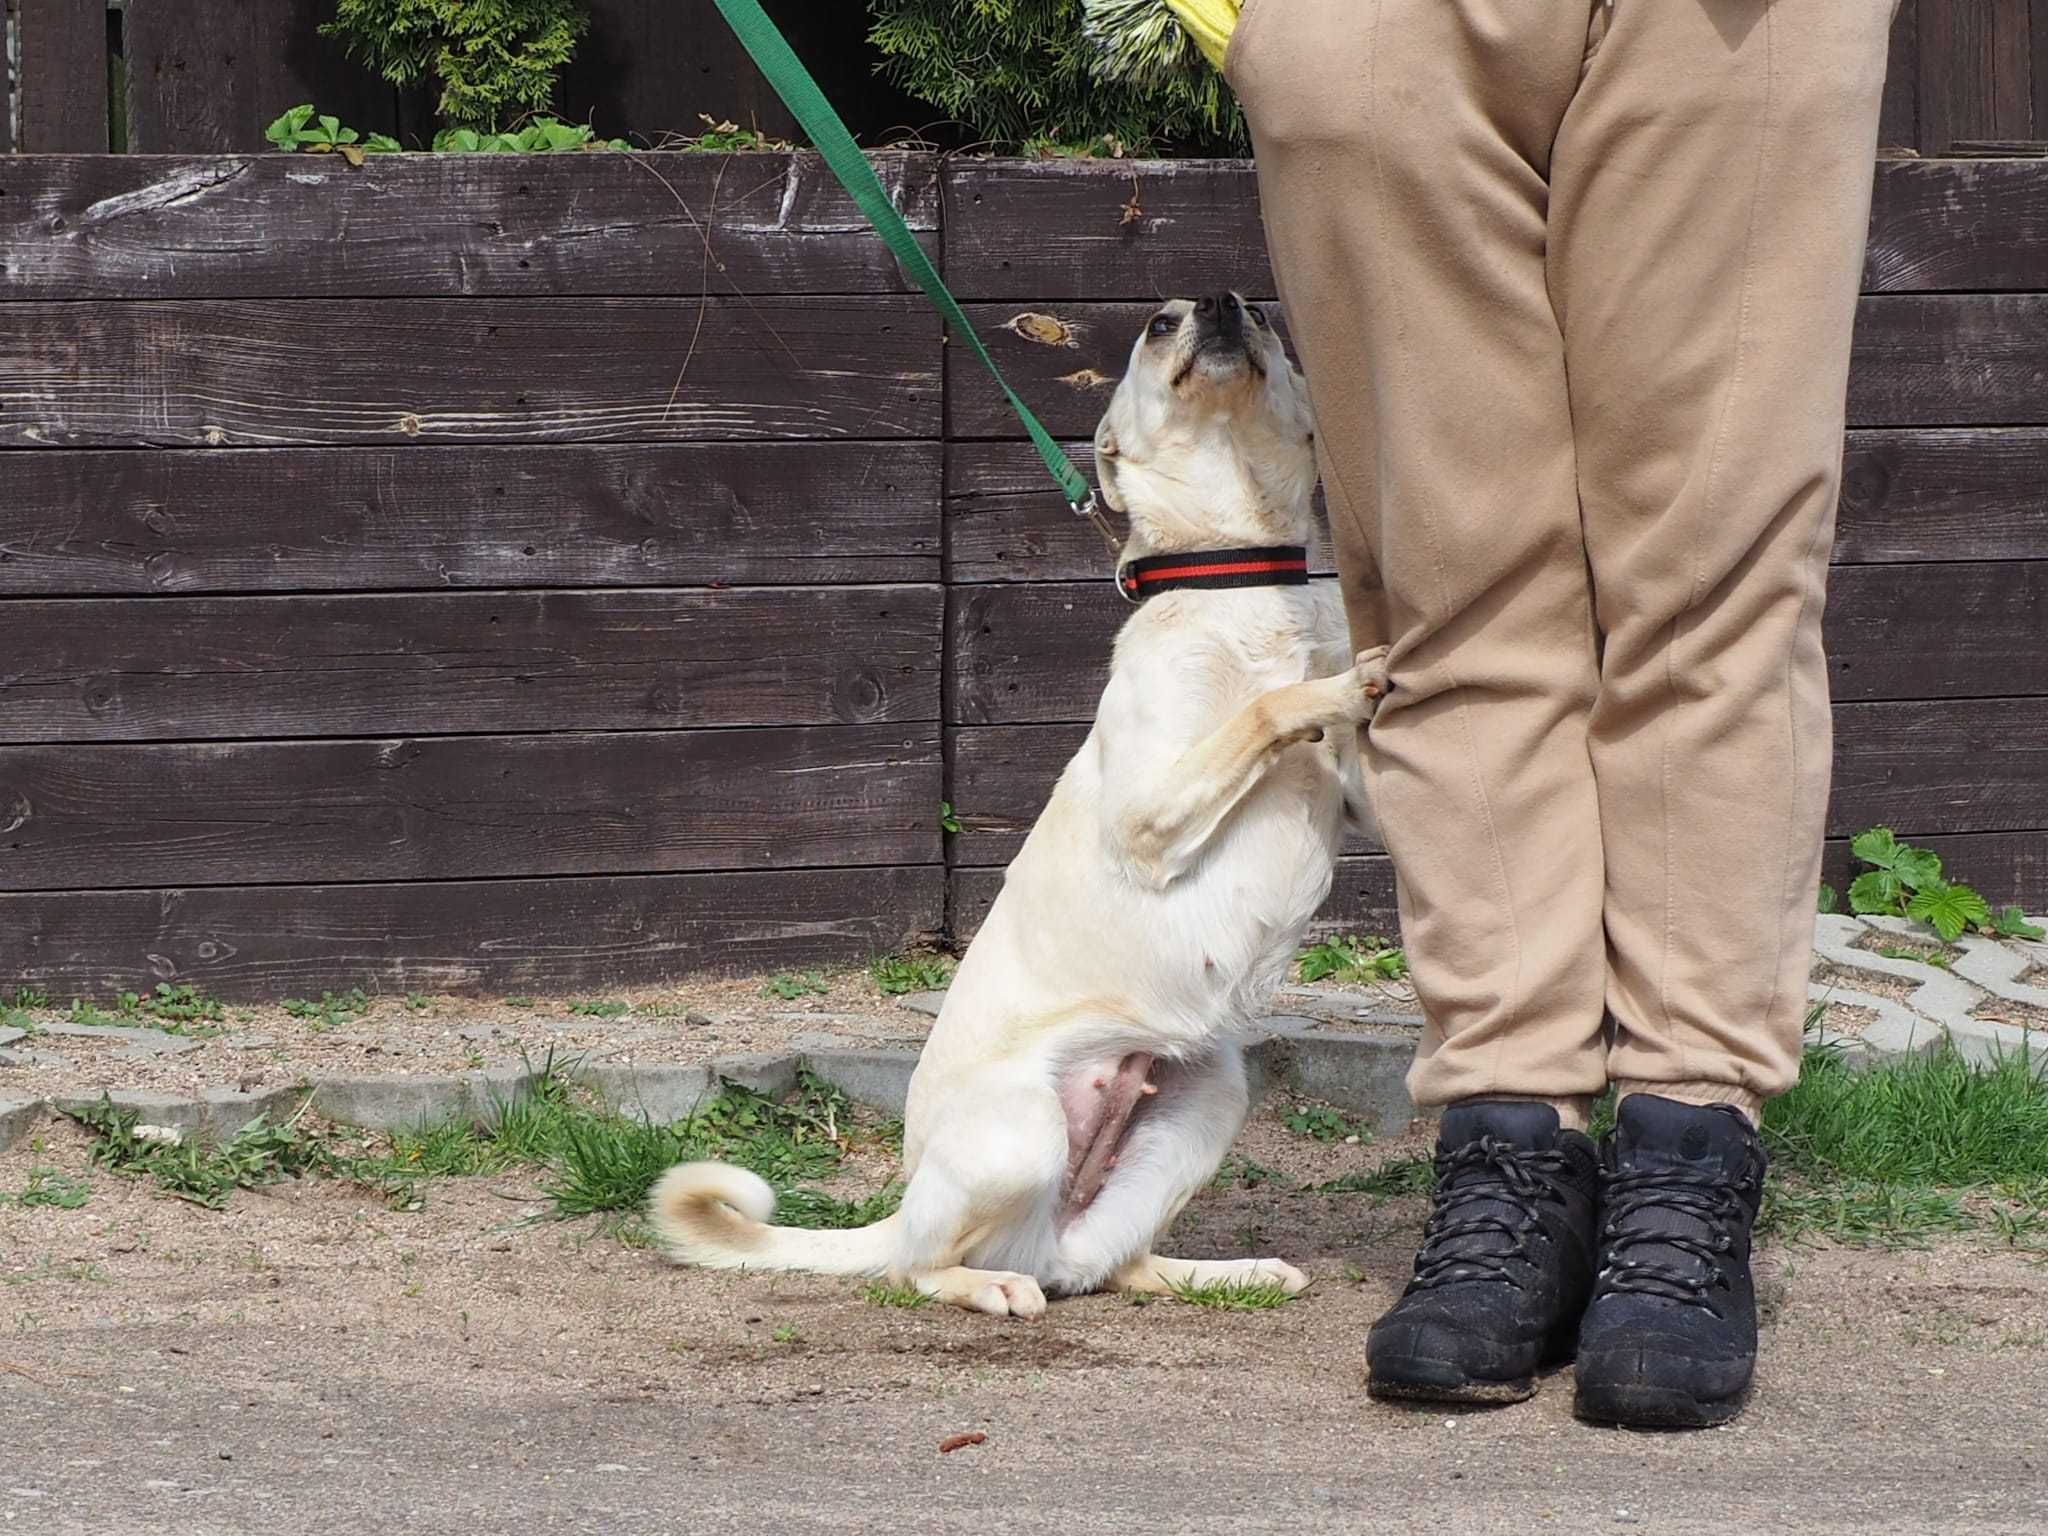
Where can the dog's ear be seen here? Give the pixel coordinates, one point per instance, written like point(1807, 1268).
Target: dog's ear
point(1107, 450)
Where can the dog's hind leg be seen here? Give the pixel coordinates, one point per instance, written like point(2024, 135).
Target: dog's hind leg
point(1171, 1150)
point(998, 1292)
point(976, 1223)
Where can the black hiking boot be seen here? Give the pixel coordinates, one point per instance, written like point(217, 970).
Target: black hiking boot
point(1506, 1261)
point(1669, 1340)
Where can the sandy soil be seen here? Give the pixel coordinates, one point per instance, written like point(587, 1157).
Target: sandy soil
point(308, 1361)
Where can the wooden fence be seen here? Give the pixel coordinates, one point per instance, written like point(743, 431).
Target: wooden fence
point(522, 573)
point(205, 76)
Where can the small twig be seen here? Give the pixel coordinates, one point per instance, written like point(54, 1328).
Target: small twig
point(958, 1442)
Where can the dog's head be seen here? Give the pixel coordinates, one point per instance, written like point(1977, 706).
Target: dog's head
point(1209, 441)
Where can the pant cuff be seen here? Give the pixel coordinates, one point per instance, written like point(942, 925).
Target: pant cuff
point(1751, 1104)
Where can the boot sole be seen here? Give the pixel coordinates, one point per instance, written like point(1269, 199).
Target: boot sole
point(1440, 1381)
point(1642, 1407)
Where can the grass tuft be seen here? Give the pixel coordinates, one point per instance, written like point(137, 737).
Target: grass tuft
point(1234, 1295)
point(897, 975)
point(878, 1293)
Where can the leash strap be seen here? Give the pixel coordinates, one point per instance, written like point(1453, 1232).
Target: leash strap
point(799, 92)
point(1280, 565)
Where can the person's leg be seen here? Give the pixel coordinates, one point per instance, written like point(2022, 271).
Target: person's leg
point(1710, 200)
point(1404, 149)
point(1710, 197)
point(1404, 154)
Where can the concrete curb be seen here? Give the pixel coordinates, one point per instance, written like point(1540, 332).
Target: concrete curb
point(1363, 1074)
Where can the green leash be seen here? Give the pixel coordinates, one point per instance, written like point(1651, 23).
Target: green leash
point(800, 93)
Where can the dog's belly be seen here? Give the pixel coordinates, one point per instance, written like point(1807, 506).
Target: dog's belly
point(1100, 1099)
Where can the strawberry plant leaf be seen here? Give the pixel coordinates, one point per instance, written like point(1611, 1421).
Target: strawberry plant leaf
point(1830, 899)
point(1876, 893)
point(1917, 867)
point(2011, 923)
point(1950, 909)
point(1879, 846)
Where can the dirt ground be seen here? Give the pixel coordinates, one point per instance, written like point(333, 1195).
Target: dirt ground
point(309, 1361)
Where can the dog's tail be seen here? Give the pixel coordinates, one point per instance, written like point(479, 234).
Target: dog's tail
point(717, 1215)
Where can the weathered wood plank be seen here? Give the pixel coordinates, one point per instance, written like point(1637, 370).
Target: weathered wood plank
point(1907, 495)
point(1974, 71)
point(208, 76)
point(1040, 652)
point(492, 935)
point(2005, 866)
point(1940, 495)
point(1958, 225)
point(1898, 119)
point(426, 226)
point(368, 519)
point(63, 76)
point(1361, 898)
point(461, 807)
point(204, 668)
point(1064, 232)
point(1971, 765)
point(1927, 360)
point(270, 372)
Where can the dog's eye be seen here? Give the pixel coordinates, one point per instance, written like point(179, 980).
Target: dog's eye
point(1162, 325)
point(1258, 315)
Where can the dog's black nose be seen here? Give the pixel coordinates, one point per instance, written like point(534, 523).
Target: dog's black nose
point(1220, 314)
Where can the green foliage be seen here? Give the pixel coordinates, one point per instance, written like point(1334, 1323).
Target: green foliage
point(600, 1008)
point(182, 1004)
point(878, 1294)
point(196, 1169)
point(493, 59)
point(1390, 1181)
point(49, 1188)
point(300, 130)
point(1904, 881)
point(790, 985)
point(894, 975)
point(330, 1010)
point(28, 997)
point(1349, 958)
point(1020, 72)
point(543, 135)
point(725, 138)
point(1830, 898)
point(948, 820)
point(2011, 923)
point(1322, 1122)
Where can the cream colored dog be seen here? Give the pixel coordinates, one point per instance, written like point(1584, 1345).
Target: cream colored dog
point(1086, 1074)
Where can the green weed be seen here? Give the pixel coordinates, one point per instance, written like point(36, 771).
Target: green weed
point(49, 1188)
point(195, 1169)
point(601, 1008)
point(877, 1293)
point(1323, 1123)
point(895, 975)
point(329, 1011)
point(1393, 1180)
point(1349, 958)
point(790, 985)
point(28, 997)
point(1904, 881)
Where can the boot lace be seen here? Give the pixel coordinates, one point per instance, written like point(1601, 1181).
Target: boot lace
point(1487, 1192)
point(1714, 1205)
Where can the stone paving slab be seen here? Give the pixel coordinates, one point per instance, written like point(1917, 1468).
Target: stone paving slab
point(1943, 1001)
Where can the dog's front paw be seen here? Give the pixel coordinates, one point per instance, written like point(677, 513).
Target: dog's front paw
point(1369, 674)
point(1276, 1272)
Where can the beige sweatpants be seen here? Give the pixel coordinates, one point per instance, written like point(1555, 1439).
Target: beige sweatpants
point(1573, 285)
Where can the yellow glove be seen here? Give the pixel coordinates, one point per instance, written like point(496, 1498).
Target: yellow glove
point(1209, 23)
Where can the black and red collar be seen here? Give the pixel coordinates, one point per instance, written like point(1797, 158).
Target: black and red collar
point(1279, 565)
